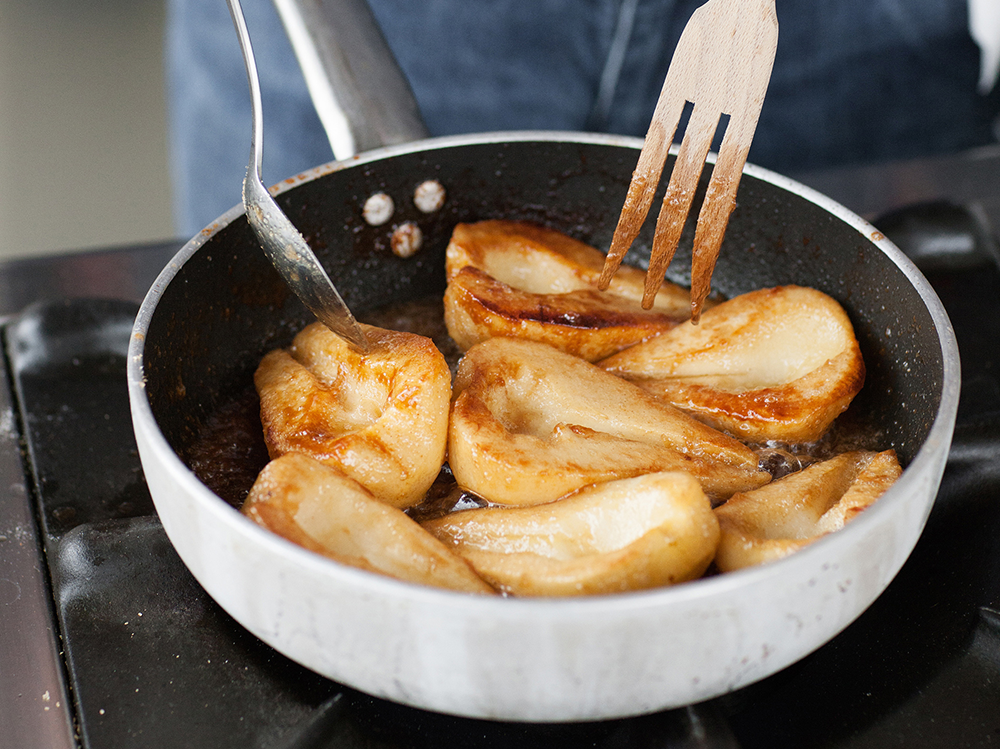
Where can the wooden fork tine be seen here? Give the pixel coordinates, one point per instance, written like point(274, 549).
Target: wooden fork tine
point(645, 179)
point(679, 196)
point(678, 88)
point(720, 200)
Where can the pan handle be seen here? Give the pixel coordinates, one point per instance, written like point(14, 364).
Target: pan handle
point(361, 95)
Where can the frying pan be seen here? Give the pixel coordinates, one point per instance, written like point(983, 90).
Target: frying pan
point(218, 307)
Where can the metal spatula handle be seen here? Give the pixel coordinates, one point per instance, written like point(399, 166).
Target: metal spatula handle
point(360, 94)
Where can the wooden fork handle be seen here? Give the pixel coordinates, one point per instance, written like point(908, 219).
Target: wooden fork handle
point(678, 198)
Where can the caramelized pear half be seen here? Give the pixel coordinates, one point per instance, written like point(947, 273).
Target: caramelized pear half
point(507, 278)
point(530, 424)
point(380, 417)
point(321, 509)
point(793, 511)
point(623, 535)
point(774, 364)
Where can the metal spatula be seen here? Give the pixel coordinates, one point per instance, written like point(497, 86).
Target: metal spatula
point(283, 244)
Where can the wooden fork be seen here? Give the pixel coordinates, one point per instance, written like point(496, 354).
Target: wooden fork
point(722, 65)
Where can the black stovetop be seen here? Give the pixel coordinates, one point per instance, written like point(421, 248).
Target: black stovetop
point(149, 660)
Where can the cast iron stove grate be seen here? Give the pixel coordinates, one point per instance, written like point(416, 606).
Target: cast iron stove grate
point(151, 661)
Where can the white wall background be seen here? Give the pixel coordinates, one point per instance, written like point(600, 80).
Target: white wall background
point(82, 126)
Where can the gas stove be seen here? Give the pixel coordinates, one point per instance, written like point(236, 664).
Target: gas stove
point(107, 641)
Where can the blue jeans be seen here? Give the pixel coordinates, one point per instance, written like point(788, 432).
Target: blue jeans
point(854, 81)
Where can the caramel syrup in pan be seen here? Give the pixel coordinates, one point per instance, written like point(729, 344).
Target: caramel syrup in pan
point(229, 450)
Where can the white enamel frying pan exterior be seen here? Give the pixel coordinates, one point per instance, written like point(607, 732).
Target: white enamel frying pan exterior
point(543, 660)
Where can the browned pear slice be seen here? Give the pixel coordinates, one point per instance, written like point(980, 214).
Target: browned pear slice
point(530, 424)
point(321, 509)
point(507, 278)
point(792, 512)
point(622, 535)
point(774, 364)
point(380, 417)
